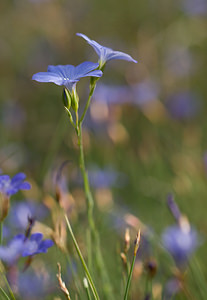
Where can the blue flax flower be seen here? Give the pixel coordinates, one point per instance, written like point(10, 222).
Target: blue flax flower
point(105, 54)
point(68, 75)
point(180, 242)
point(22, 246)
point(10, 186)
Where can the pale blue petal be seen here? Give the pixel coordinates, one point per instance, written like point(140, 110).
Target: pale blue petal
point(36, 237)
point(95, 73)
point(48, 77)
point(96, 46)
point(44, 245)
point(84, 68)
point(25, 186)
point(65, 71)
point(18, 178)
point(119, 55)
point(105, 53)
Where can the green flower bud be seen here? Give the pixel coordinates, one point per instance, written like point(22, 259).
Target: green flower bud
point(66, 98)
point(75, 100)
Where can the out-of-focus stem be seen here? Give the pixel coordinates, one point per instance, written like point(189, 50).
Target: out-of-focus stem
point(90, 280)
point(137, 241)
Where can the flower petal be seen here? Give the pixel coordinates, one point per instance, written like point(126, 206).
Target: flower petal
point(84, 68)
point(120, 55)
point(96, 46)
point(18, 178)
point(65, 71)
point(48, 77)
point(44, 245)
point(37, 237)
point(25, 186)
point(105, 54)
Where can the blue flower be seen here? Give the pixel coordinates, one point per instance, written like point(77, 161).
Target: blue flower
point(10, 186)
point(20, 212)
point(22, 246)
point(183, 105)
point(181, 242)
point(35, 244)
point(68, 75)
point(105, 54)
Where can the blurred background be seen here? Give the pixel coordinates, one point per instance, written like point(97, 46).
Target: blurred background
point(145, 132)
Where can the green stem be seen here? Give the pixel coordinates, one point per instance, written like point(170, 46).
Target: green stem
point(89, 198)
point(4, 293)
point(90, 280)
point(107, 289)
point(132, 266)
point(198, 277)
point(8, 286)
point(74, 274)
point(129, 279)
point(92, 88)
point(85, 283)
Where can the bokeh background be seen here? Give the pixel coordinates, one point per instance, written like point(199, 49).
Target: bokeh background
point(145, 133)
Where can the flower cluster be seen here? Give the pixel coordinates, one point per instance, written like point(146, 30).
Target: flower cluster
point(69, 75)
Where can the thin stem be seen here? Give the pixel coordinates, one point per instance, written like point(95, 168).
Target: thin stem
point(92, 88)
point(137, 241)
point(8, 286)
point(89, 197)
point(74, 274)
point(85, 283)
point(90, 280)
point(4, 293)
point(198, 277)
point(90, 202)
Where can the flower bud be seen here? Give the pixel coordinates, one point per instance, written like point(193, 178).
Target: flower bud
point(74, 100)
point(66, 98)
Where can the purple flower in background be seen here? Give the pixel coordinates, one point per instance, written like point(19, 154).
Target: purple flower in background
point(104, 178)
point(183, 105)
point(171, 288)
point(10, 186)
point(68, 75)
point(12, 252)
point(205, 161)
point(180, 242)
point(193, 8)
point(20, 212)
point(35, 244)
point(145, 92)
point(22, 246)
point(36, 284)
point(105, 54)
point(112, 94)
point(179, 61)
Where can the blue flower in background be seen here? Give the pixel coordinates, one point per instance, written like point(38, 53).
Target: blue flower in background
point(19, 213)
point(35, 244)
point(10, 186)
point(112, 94)
point(68, 75)
point(104, 178)
point(183, 105)
point(12, 252)
point(105, 54)
point(22, 246)
point(180, 242)
point(194, 8)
